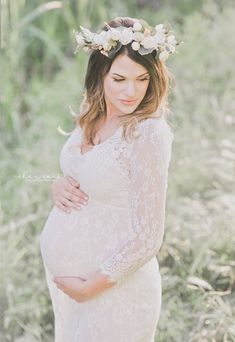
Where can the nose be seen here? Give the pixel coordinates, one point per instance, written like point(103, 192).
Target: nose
point(130, 90)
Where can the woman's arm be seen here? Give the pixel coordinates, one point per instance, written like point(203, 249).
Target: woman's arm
point(150, 160)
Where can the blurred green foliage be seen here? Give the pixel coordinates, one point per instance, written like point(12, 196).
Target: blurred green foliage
point(40, 78)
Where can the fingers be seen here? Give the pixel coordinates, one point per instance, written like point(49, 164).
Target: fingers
point(61, 287)
point(59, 281)
point(76, 192)
point(69, 204)
point(67, 194)
point(62, 206)
point(73, 181)
point(70, 286)
point(74, 198)
point(72, 190)
point(66, 206)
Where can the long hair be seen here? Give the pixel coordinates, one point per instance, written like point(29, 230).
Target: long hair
point(93, 107)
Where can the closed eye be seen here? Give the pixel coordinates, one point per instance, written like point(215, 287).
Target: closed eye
point(143, 79)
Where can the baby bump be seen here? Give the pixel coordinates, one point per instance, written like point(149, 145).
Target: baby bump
point(76, 243)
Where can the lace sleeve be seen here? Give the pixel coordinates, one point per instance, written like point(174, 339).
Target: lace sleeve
point(150, 158)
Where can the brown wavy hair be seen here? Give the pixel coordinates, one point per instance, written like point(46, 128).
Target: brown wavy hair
point(93, 106)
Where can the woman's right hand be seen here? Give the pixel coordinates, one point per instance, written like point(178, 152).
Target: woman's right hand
point(67, 195)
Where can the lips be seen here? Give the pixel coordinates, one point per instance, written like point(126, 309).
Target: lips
point(128, 101)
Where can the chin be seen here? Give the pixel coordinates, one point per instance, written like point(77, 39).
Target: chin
point(127, 109)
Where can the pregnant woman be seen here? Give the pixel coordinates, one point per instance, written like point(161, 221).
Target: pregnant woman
point(100, 261)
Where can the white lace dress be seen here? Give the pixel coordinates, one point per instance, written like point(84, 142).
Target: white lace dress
point(119, 233)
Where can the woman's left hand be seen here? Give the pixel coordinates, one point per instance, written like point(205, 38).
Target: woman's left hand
point(81, 289)
point(74, 287)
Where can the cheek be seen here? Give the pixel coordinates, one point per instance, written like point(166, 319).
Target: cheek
point(112, 89)
point(143, 89)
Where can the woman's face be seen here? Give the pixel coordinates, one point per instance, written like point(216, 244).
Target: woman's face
point(125, 81)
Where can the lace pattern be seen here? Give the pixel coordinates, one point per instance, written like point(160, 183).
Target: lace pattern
point(149, 161)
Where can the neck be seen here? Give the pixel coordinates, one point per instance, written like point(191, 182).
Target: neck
point(111, 118)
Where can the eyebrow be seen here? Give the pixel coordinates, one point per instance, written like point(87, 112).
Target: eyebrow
point(124, 76)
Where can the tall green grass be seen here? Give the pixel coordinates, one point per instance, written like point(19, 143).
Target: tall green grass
point(37, 40)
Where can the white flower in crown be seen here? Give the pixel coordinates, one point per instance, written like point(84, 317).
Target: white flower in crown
point(88, 35)
point(135, 46)
point(80, 39)
point(163, 56)
point(114, 34)
point(137, 26)
point(160, 28)
point(171, 43)
point(138, 36)
point(126, 36)
point(101, 38)
point(148, 42)
point(159, 38)
point(142, 37)
point(171, 48)
point(171, 40)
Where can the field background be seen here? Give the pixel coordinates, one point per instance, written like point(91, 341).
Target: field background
point(41, 78)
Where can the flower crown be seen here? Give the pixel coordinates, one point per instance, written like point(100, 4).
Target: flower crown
point(143, 38)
